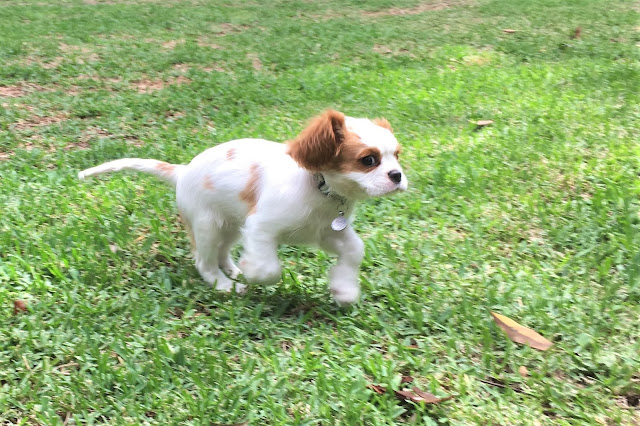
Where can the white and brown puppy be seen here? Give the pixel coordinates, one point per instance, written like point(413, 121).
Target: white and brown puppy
point(302, 192)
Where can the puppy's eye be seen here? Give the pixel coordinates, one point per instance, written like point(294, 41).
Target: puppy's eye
point(369, 161)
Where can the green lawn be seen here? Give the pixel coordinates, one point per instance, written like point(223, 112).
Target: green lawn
point(535, 216)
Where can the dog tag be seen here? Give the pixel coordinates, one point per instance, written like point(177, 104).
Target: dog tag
point(339, 223)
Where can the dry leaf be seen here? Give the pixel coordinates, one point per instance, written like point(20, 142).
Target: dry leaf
point(19, 306)
point(483, 123)
point(406, 379)
point(576, 33)
point(413, 395)
point(492, 381)
point(508, 31)
point(416, 395)
point(377, 389)
point(113, 248)
point(521, 334)
point(523, 371)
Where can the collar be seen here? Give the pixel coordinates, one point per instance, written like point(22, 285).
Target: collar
point(324, 188)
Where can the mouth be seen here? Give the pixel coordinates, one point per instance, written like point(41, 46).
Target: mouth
point(381, 192)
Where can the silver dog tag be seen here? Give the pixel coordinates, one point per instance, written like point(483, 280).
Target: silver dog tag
point(339, 223)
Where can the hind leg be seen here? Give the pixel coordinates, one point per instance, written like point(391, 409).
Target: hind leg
point(209, 237)
point(229, 236)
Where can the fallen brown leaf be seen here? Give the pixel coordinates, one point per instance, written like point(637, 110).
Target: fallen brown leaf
point(483, 123)
point(492, 381)
point(19, 306)
point(377, 389)
point(416, 395)
point(406, 379)
point(576, 33)
point(523, 371)
point(521, 334)
point(509, 31)
point(413, 395)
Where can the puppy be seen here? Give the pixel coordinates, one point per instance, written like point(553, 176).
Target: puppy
point(301, 192)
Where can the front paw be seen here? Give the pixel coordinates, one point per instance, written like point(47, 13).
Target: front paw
point(260, 272)
point(231, 270)
point(346, 296)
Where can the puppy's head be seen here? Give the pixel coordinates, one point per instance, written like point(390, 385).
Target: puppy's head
point(358, 157)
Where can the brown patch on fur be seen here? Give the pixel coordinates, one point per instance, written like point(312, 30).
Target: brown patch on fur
point(231, 154)
point(166, 168)
point(250, 192)
point(398, 151)
point(318, 145)
point(350, 154)
point(207, 183)
point(382, 122)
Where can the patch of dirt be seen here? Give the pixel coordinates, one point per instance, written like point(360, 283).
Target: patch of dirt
point(216, 68)
point(256, 63)
point(79, 146)
point(84, 54)
point(174, 115)
point(476, 60)
point(181, 67)
point(133, 141)
point(11, 91)
point(91, 57)
point(35, 60)
point(94, 133)
point(35, 142)
point(171, 44)
point(19, 90)
point(37, 121)
point(386, 50)
point(147, 86)
point(227, 28)
point(150, 86)
point(112, 80)
point(52, 64)
point(426, 7)
point(203, 42)
point(535, 235)
point(72, 48)
point(382, 49)
point(135, 2)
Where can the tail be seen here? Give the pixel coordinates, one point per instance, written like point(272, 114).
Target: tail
point(165, 171)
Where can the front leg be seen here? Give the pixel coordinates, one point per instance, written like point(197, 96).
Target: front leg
point(259, 262)
point(343, 277)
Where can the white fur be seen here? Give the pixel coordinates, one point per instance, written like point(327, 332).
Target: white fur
point(290, 208)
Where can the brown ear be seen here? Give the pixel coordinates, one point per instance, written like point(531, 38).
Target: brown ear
point(319, 143)
point(382, 122)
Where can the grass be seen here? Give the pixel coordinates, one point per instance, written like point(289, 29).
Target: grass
point(535, 217)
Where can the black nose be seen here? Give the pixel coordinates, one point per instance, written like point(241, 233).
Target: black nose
point(395, 176)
